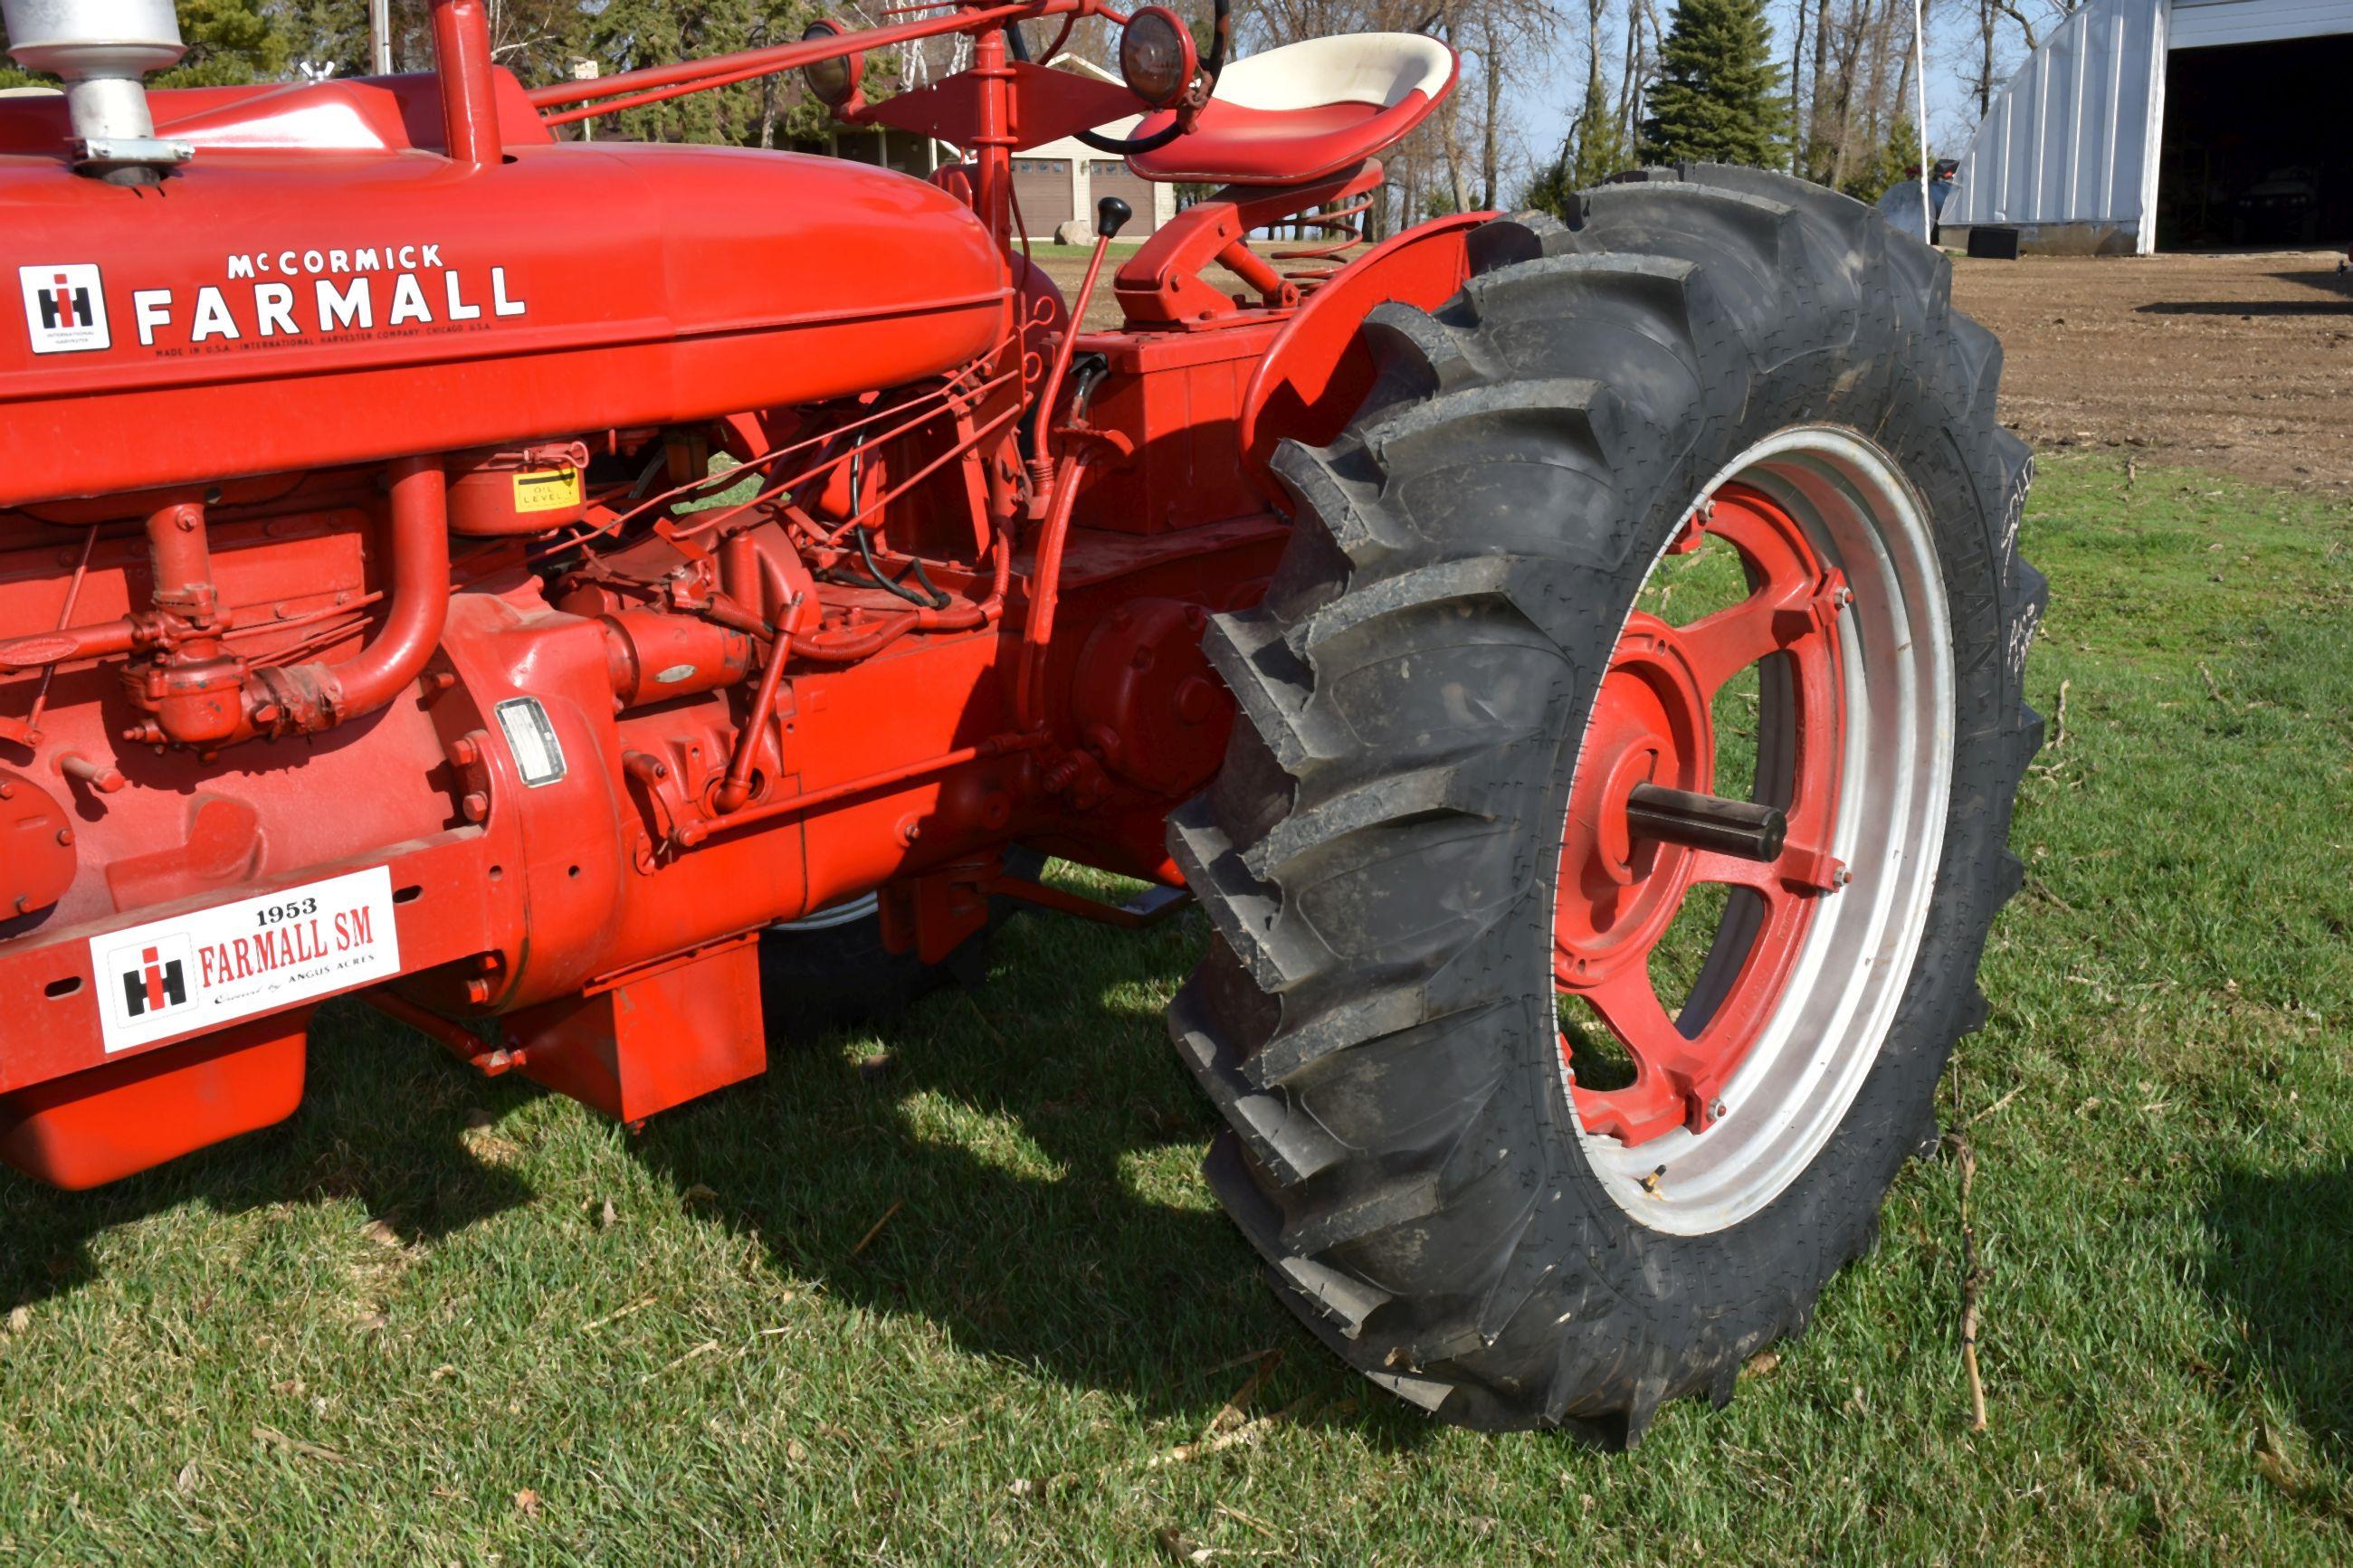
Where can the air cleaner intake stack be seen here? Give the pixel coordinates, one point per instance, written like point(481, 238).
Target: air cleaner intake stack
point(102, 50)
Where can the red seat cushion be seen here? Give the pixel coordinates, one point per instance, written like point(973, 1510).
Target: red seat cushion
point(1233, 145)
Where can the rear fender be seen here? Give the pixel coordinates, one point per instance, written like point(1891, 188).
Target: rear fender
point(1318, 368)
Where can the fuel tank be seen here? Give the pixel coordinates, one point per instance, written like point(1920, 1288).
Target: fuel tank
point(318, 287)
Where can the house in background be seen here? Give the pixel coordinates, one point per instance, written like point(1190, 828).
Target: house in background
point(1052, 185)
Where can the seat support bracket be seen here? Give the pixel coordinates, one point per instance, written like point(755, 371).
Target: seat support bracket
point(1161, 285)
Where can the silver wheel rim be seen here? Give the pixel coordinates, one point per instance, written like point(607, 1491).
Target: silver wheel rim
point(1827, 1028)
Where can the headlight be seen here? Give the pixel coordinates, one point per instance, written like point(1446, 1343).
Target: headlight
point(834, 80)
point(1155, 55)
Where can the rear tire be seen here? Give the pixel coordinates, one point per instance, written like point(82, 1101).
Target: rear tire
point(1378, 1017)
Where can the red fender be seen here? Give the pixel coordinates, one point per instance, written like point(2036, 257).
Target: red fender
point(1317, 370)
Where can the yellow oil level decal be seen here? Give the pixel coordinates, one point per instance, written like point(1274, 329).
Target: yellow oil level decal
point(547, 489)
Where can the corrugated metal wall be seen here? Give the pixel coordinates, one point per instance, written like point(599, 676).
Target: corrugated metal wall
point(2072, 139)
point(2209, 24)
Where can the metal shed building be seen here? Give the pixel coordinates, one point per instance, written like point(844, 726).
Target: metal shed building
point(2148, 124)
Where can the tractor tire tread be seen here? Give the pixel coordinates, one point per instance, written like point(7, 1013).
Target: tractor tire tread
point(1400, 1155)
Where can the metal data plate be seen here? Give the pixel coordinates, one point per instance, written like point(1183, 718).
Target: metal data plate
point(538, 754)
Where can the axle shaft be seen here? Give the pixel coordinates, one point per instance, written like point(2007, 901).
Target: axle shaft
point(1739, 827)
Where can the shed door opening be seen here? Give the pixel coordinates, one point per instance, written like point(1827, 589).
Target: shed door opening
point(2255, 154)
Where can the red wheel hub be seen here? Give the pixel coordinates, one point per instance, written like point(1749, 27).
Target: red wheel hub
point(1621, 887)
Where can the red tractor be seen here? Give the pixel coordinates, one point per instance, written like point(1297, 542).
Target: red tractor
point(544, 588)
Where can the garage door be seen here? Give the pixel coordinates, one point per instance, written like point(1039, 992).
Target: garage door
point(1112, 177)
point(1041, 186)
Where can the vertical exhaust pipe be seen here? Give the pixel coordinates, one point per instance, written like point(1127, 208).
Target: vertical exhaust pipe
point(102, 50)
point(462, 49)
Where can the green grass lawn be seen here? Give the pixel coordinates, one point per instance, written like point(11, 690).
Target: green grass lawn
point(979, 1308)
point(1047, 250)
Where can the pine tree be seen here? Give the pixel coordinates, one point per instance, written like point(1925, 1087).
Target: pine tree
point(1601, 148)
point(1549, 187)
point(1596, 149)
point(330, 36)
point(625, 34)
point(1718, 100)
point(230, 42)
point(1897, 157)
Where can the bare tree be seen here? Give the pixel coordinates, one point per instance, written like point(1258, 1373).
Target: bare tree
point(1798, 90)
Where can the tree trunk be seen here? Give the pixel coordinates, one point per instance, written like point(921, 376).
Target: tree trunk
point(1491, 137)
point(1796, 97)
point(1903, 86)
point(1987, 16)
point(1815, 167)
point(1626, 106)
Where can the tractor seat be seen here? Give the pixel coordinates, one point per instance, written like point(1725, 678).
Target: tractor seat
point(1304, 110)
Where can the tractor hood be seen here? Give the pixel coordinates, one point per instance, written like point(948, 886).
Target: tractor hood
point(316, 288)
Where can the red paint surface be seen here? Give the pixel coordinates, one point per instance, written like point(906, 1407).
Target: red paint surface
point(751, 726)
point(740, 281)
point(1652, 723)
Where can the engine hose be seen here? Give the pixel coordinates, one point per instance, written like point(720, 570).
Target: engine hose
point(937, 600)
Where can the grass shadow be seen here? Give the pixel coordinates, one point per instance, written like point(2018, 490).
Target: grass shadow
point(2278, 1251)
point(410, 1167)
point(1024, 1176)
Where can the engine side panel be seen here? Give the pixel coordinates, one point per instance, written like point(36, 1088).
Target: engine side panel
point(267, 311)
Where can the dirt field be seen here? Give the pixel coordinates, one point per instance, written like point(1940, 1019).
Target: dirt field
point(2243, 363)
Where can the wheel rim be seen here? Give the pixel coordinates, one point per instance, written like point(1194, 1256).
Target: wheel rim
point(1734, 1092)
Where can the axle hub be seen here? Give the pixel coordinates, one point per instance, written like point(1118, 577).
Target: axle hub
point(1741, 827)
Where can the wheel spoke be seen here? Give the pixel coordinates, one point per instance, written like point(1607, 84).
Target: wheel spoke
point(1800, 868)
point(1732, 871)
point(1719, 646)
point(1627, 1005)
point(1776, 557)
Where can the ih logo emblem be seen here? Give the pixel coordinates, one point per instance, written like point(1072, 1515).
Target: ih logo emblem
point(152, 977)
point(65, 309)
